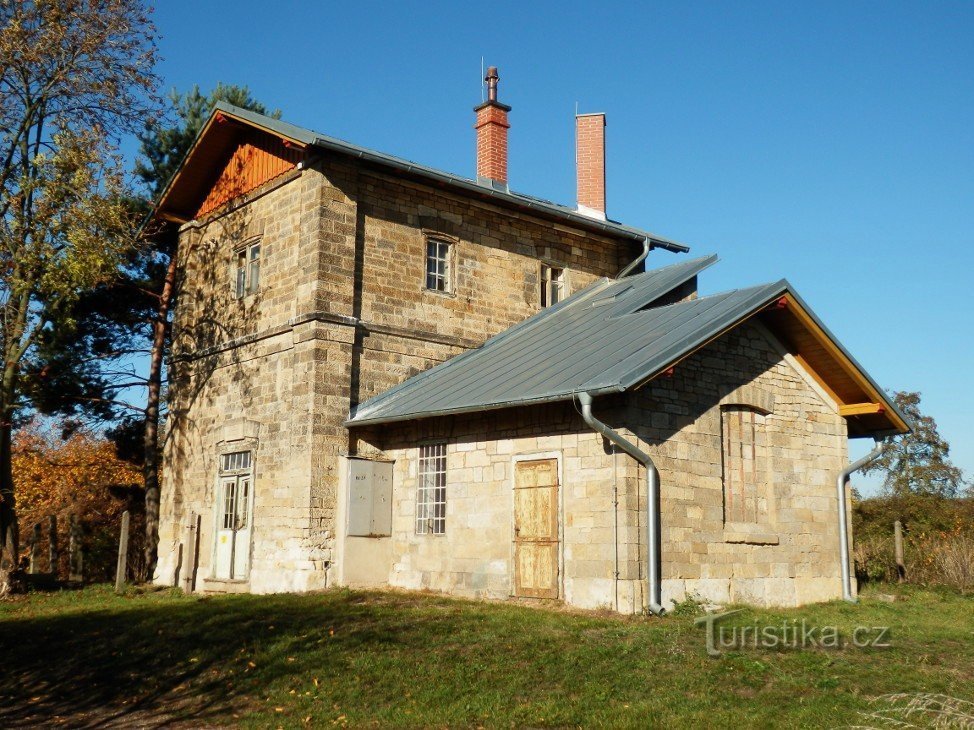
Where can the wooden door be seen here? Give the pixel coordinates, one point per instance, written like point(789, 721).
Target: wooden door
point(536, 528)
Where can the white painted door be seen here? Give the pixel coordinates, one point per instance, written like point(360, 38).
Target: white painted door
point(233, 528)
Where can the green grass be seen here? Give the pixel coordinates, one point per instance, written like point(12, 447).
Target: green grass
point(393, 659)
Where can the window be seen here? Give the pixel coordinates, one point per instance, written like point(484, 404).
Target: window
point(247, 271)
point(438, 273)
point(552, 285)
point(745, 464)
point(431, 490)
point(236, 461)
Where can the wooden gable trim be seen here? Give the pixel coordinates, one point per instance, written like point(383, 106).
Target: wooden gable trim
point(257, 159)
point(872, 404)
point(230, 157)
point(868, 403)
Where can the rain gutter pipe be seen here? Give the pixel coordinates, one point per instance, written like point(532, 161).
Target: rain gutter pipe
point(843, 515)
point(652, 500)
point(647, 247)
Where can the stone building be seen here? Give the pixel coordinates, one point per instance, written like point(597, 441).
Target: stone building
point(384, 374)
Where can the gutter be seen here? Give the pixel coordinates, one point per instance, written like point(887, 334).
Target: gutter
point(840, 483)
point(653, 592)
point(548, 210)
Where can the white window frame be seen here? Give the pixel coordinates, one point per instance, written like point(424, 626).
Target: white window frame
point(438, 272)
point(554, 285)
point(245, 279)
point(431, 485)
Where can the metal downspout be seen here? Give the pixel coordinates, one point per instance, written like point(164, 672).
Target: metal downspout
point(844, 519)
point(647, 247)
point(654, 602)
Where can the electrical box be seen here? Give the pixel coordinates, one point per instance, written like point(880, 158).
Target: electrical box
point(369, 498)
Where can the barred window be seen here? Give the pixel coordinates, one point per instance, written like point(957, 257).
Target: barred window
point(431, 490)
point(745, 465)
point(438, 274)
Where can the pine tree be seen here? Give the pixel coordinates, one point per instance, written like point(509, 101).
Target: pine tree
point(918, 463)
point(163, 149)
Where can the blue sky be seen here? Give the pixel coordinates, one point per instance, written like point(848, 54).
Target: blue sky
point(828, 143)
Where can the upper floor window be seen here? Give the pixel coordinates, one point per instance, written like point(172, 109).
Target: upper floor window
point(746, 465)
point(552, 285)
point(247, 270)
point(431, 490)
point(439, 272)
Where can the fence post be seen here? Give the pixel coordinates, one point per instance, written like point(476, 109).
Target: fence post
point(76, 567)
point(123, 553)
point(52, 554)
point(189, 553)
point(35, 549)
point(898, 542)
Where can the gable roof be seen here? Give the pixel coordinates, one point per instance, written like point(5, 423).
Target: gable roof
point(604, 340)
point(180, 198)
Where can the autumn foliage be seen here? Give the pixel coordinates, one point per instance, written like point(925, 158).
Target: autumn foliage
point(79, 475)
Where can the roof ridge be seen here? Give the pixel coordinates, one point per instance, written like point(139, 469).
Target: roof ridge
point(309, 136)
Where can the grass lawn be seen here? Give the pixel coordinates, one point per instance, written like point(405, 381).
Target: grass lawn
point(392, 659)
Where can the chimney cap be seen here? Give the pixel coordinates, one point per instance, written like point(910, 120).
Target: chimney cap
point(492, 78)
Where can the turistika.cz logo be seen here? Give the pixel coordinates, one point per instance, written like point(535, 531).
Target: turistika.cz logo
point(788, 635)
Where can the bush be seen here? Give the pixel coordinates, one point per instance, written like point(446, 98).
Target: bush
point(938, 544)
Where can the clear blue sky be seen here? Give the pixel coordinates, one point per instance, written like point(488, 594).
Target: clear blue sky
point(829, 143)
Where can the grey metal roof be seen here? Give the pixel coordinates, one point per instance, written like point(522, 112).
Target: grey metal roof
point(323, 141)
point(604, 339)
point(598, 340)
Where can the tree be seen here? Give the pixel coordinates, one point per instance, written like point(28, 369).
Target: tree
point(74, 76)
point(918, 463)
point(75, 475)
point(155, 281)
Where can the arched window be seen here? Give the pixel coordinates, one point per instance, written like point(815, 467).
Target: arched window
point(746, 465)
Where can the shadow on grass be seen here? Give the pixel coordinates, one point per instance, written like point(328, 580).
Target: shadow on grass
point(152, 662)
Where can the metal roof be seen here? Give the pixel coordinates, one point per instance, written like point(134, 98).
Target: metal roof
point(604, 339)
point(499, 194)
point(547, 357)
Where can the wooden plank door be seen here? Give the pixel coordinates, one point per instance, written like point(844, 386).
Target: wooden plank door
point(536, 528)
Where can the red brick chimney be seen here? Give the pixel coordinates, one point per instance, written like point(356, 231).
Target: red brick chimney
point(492, 126)
point(590, 164)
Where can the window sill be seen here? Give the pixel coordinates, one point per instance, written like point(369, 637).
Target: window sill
point(750, 534)
point(437, 292)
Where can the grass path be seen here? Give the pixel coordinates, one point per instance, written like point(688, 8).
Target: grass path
point(89, 658)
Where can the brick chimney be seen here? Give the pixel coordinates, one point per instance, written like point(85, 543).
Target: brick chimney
point(590, 164)
point(492, 126)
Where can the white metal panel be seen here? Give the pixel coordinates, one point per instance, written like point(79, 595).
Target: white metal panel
point(381, 498)
point(369, 498)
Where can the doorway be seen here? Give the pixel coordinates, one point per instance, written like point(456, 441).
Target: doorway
point(536, 543)
point(233, 509)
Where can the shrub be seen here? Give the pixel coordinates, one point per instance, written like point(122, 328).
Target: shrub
point(938, 543)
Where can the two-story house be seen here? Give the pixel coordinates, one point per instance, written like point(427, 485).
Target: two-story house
point(385, 374)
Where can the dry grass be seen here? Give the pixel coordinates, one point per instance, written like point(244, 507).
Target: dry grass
point(919, 710)
point(943, 558)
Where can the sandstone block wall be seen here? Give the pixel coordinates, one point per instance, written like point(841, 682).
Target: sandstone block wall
point(341, 314)
point(791, 558)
